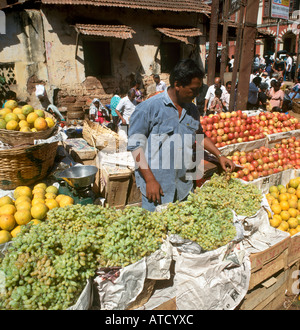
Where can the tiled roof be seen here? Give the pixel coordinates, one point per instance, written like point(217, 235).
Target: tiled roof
point(116, 31)
point(180, 34)
point(195, 6)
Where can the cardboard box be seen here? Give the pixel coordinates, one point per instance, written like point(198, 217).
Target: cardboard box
point(80, 150)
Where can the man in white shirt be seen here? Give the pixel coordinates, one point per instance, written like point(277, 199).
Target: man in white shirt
point(226, 96)
point(210, 94)
point(160, 85)
point(126, 107)
point(289, 65)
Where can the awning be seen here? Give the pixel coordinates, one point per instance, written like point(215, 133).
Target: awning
point(181, 34)
point(115, 31)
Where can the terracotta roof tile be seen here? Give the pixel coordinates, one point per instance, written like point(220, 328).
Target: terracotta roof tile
point(168, 5)
point(117, 31)
point(180, 34)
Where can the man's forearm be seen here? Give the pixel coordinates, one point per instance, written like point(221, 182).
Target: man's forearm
point(142, 165)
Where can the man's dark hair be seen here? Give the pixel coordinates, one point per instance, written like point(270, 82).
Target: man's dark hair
point(218, 92)
point(156, 76)
point(228, 83)
point(184, 71)
point(256, 80)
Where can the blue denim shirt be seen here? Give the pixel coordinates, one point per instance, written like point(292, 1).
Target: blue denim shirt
point(167, 141)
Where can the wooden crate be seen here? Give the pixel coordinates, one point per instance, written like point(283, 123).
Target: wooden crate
point(114, 185)
point(134, 195)
point(266, 263)
point(294, 250)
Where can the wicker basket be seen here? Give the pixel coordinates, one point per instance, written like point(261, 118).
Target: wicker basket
point(16, 138)
point(296, 105)
point(26, 165)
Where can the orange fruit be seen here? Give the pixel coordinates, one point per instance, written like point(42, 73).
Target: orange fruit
point(21, 191)
point(293, 183)
point(282, 190)
point(284, 205)
point(285, 215)
point(298, 228)
point(66, 200)
point(284, 225)
point(39, 211)
point(6, 200)
point(293, 231)
point(8, 209)
point(25, 129)
point(5, 236)
point(26, 205)
point(273, 189)
point(32, 117)
point(298, 193)
point(276, 208)
point(275, 221)
point(293, 212)
point(16, 231)
point(23, 217)
point(51, 203)
point(12, 125)
point(275, 194)
point(7, 222)
point(40, 124)
point(11, 104)
point(291, 190)
point(283, 197)
point(293, 223)
point(27, 109)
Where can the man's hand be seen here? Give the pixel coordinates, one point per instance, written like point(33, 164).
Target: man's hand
point(227, 164)
point(154, 191)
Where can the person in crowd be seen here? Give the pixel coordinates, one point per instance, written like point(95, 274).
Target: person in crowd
point(279, 67)
point(256, 62)
point(276, 95)
point(55, 112)
point(289, 66)
point(97, 112)
point(231, 62)
point(295, 92)
point(160, 85)
point(217, 105)
point(287, 101)
point(266, 79)
point(253, 93)
point(113, 104)
point(226, 95)
point(162, 176)
point(126, 107)
point(200, 99)
point(262, 96)
point(210, 94)
point(138, 92)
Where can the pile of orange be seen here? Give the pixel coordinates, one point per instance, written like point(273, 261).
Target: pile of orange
point(284, 201)
point(24, 119)
point(28, 205)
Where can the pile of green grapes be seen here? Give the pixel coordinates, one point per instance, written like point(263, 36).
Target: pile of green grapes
point(47, 264)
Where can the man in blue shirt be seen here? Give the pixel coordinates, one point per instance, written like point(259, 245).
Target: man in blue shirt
point(162, 134)
point(253, 93)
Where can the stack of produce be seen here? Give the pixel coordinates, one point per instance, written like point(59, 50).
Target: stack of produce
point(265, 161)
point(284, 201)
point(28, 205)
point(24, 119)
point(235, 127)
point(47, 265)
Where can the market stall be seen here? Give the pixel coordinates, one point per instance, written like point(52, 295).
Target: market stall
point(91, 246)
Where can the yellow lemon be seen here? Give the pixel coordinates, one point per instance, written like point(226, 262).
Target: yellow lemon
point(11, 104)
point(275, 221)
point(23, 217)
point(27, 109)
point(12, 125)
point(37, 190)
point(23, 123)
point(11, 116)
point(39, 211)
point(5, 236)
point(21, 116)
point(39, 195)
point(7, 222)
point(66, 200)
point(16, 231)
point(40, 112)
point(293, 183)
point(17, 111)
point(6, 200)
point(8, 209)
point(25, 129)
point(51, 203)
point(32, 117)
point(50, 195)
point(273, 188)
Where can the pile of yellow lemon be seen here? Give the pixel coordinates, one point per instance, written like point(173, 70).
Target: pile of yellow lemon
point(284, 201)
point(28, 205)
point(24, 119)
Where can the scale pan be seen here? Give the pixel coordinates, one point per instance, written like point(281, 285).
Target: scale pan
point(79, 176)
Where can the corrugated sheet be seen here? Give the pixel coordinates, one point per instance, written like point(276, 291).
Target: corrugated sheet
point(116, 31)
point(169, 5)
point(180, 34)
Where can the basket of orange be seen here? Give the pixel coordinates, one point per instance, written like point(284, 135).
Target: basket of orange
point(23, 125)
point(284, 202)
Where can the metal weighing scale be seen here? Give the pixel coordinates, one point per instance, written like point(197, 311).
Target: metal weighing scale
point(76, 182)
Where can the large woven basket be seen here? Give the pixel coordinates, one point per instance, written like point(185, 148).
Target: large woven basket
point(26, 165)
point(296, 105)
point(16, 138)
